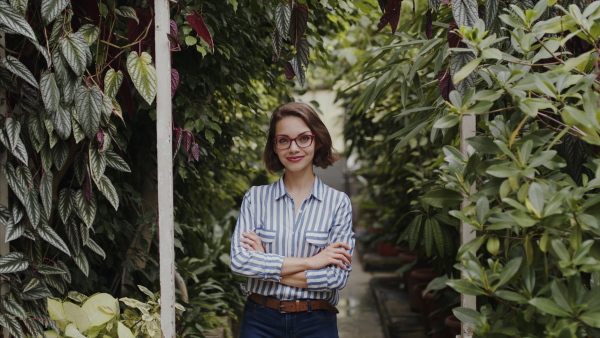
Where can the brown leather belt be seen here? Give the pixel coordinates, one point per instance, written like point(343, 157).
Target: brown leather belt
point(297, 305)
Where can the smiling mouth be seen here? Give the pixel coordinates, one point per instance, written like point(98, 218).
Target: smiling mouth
point(295, 159)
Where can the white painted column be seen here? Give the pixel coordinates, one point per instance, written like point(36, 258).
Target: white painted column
point(467, 130)
point(4, 246)
point(164, 134)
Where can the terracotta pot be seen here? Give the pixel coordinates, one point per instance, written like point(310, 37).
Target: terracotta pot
point(414, 296)
point(453, 325)
point(419, 275)
point(387, 249)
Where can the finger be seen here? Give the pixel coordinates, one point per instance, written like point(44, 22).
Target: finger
point(340, 264)
point(253, 236)
point(343, 258)
point(344, 252)
point(246, 246)
point(341, 244)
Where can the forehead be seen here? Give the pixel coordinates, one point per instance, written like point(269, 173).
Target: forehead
point(291, 126)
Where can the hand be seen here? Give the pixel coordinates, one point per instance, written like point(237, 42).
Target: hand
point(337, 253)
point(252, 242)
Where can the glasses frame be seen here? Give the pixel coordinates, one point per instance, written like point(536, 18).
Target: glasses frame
point(312, 139)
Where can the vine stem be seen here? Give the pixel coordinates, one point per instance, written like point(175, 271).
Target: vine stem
point(557, 138)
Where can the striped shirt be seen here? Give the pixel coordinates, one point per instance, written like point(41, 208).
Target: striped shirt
point(324, 217)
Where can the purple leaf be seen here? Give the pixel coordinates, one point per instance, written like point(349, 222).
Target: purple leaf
point(100, 138)
point(87, 188)
point(298, 23)
point(453, 39)
point(429, 24)
point(289, 71)
point(445, 84)
point(391, 16)
point(195, 20)
point(187, 140)
point(174, 81)
point(174, 37)
point(196, 152)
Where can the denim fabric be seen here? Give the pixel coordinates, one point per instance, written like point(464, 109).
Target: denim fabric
point(262, 322)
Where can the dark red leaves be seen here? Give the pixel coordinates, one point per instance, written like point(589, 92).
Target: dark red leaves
point(187, 140)
point(453, 39)
point(100, 138)
point(382, 4)
point(136, 31)
point(298, 23)
point(289, 71)
point(447, 2)
point(174, 81)
point(174, 37)
point(87, 188)
point(195, 20)
point(391, 15)
point(445, 84)
point(195, 152)
point(429, 24)
point(87, 9)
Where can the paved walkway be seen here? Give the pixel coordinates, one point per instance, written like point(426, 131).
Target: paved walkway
point(358, 315)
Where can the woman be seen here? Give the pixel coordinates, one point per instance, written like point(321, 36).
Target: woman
point(293, 238)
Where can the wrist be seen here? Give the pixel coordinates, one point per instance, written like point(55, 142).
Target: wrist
point(308, 263)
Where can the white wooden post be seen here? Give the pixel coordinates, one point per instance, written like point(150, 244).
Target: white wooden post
point(467, 129)
point(4, 246)
point(164, 134)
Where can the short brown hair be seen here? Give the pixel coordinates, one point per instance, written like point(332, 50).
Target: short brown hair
point(325, 155)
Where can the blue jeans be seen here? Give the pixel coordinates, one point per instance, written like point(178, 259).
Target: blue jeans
point(262, 322)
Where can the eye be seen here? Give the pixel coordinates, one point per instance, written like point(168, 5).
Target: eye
point(283, 140)
point(304, 138)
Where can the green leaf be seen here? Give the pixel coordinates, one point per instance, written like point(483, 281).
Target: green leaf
point(82, 263)
point(32, 207)
point(466, 315)
point(591, 318)
point(484, 144)
point(87, 104)
point(127, 12)
point(14, 308)
point(143, 75)
point(51, 8)
point(46, 269)
point(95, 248)
point(466, 70)
point(85, 210)
point(84, 231)
point(511, 296)
point(90, 33)
point(13, 262)
point(75, 50)
point(112, 82)
point(447, 121)
point(50, 92)
point(548, 306)
point(60, 153)
point(72, 231)
point(116, 162)
point(509, 271)
point(108, 190)
point(12, 22)
point(502, 171)
point(46, 191)
point(61, 119)
point(50, 236)
point(465, 287)
point(16, 67)
point(542, 158)
point(441, 198)
point(97, 163)
point(457, 62)
point(65, 204)
point(560, 250)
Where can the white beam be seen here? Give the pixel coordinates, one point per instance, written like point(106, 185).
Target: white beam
point(467, 130)
point(165, 167)
point(4, 246)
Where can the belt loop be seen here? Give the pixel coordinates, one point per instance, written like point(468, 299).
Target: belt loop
point(308, 302)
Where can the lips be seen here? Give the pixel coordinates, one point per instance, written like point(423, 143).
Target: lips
point(295, 158)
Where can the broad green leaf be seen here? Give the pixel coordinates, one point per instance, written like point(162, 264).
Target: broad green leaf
point(143, 75)
point(90, 33)
point(12, 22)
point(108, 190)
point(502, 171)
point(46, 191)
point(50, 92)
point(447, 121)
point(548, 306)
point(491, 53)
point(536, 197)
point(87, 104)
point(466, 70)
point(466, 315)
point(114, 161)
point(75, 50)
point(85, 210)
point(560, 250)
point(591, 318)
point(16, 67)
point(511, 296)
point(542, 158)
point(465, 287)
point(61, 119)
point(483, 144)
point(509, 271)
point(123, 331)
point(112, 82)
point(127, 12)
point(78, 318)
point(441, 198)
point(13, 262)
point(50, 236)
point(51, 8)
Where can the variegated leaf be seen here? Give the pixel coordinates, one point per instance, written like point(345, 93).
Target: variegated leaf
point(15, 230)
point(38, 292)
point(61, 119)
point(491, 13)
point(84, 231)
point(112, 82)
point(80, 167)
point(13, 326)
point(50, 92)
point(465, 12)
point(72, 231)
point(13, 262)
point(87, 104)
point(283, 13)
point(60, 153)
point(56, 283)
point(127, 12)
point(116, 109)
point(14, 308)
point(457, 62)
point(46, 191)
point(46, 156)
point(67, 275)
point(65, 204)
point(106, 108)
point(108, 190)
point(19, 69)
point(13, 130)
point(51, 8)
point(74, 48)
point(97, 163)
point(90, 33)
point(49, 235)
point(85, 210)
point(114, 161)
point(143, 75)
point(96, 248)
point(20, 6)
point(46, 269)
point(77, 130)
point(6, 216)
point(17, 212)
point(44, 52)
point(16, 184)
point(82, 263)
point(14, 23)
point(36, 131)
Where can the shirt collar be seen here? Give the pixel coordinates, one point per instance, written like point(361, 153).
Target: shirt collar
point(316, 192)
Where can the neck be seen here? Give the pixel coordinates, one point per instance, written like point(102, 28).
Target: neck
point(299, 181)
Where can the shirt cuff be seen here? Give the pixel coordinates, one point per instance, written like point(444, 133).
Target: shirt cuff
point(272, 268)
point(317, 279)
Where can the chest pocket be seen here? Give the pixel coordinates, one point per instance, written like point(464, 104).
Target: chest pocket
point(267, 237)
point(317, 238)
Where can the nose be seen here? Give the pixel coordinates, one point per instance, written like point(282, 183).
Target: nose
point(294, 145)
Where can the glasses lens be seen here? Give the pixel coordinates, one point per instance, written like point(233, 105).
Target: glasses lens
point(282, 142)
point(304, 141)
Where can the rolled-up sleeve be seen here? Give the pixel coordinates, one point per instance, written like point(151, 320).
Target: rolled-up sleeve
point(249, 263)
point(332, 276)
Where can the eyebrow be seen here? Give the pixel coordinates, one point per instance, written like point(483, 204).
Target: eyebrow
point(286, 135)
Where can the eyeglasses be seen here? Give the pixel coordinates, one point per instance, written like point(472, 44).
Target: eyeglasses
point(302, 141)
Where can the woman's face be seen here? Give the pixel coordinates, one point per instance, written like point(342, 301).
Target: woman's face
point(295, 158)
